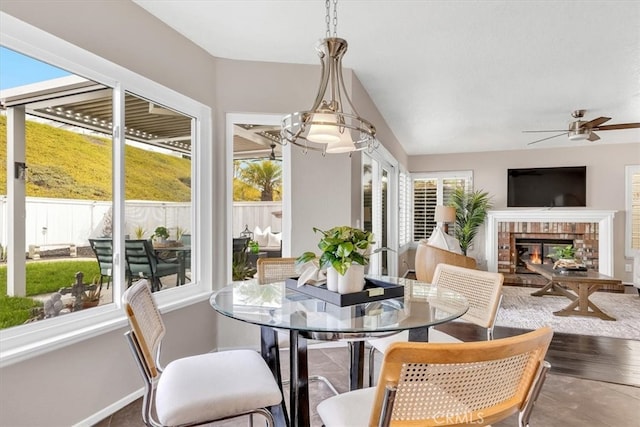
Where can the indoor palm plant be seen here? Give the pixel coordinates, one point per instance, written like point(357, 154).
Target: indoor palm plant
point(345, 252)
point(471, 211)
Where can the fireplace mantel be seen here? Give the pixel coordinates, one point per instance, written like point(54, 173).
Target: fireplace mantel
point(604, 218)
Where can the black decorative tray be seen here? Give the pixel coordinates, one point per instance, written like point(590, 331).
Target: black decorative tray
point(374, 290)
point(570, 269)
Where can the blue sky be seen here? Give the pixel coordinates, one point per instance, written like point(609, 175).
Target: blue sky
point(18, 70)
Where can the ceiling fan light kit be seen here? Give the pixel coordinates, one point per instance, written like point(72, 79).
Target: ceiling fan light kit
point(580, 130)
point(326, 127)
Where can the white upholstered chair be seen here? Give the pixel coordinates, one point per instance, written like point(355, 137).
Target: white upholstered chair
point(197, 389)
point(482, 289)
point(448, 384)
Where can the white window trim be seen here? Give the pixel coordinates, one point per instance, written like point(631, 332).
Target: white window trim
point(439, 176)
point(27, 341)
point(385, 159)
point(258, 119)
point(630, 171)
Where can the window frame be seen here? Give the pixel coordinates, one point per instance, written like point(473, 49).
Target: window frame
point(630, 171)
point(439, 177)
point(31, 340)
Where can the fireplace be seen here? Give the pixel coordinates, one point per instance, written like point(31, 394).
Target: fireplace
point(536, 251)
point(590, 230)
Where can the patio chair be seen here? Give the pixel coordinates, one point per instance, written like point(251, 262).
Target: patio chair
point(103, 248)
point(448, 384)
point(142, 262)
point(482, 289)
point(197, 389)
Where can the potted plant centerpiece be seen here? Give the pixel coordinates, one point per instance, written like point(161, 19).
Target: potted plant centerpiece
point(161, 233)
point(345, 252)
point(564, 258)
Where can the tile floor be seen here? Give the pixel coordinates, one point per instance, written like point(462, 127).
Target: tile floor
point(564, 402)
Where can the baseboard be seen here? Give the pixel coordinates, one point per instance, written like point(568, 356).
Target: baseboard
point(111, 409)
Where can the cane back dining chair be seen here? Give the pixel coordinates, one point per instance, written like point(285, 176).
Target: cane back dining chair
point(103, 248)
point(143, 262)
point(197, 389)
point(274, 270)
point(448, 384)
point(482, 289)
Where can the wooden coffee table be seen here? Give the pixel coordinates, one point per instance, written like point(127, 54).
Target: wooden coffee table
point(576, 286)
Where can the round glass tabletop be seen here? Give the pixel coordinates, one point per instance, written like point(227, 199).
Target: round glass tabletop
point(277, 306)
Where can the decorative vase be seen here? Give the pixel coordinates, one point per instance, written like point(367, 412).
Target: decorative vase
point(332, 279)
point(352, 281)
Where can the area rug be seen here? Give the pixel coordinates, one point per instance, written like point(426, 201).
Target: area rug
point(521, 310)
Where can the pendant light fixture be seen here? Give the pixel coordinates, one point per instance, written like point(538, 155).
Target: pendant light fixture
point(327, 127)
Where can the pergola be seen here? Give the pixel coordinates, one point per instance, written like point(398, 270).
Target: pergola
point(79, 103)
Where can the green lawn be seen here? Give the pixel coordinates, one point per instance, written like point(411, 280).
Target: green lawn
point(42, 277)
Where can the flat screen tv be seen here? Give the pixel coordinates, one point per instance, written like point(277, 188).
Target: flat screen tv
point(547, 187)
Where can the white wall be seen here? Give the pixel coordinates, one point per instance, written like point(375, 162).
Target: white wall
point(605, 179)
point(71, 384)
point(94, 374)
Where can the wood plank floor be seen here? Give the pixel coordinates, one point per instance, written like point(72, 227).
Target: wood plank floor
point(593, 381)
point(605, 359)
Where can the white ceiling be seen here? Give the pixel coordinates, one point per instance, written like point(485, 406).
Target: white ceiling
point(450, 76)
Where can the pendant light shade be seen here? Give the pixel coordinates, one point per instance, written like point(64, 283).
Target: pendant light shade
point(344, 145)
point(323, 130)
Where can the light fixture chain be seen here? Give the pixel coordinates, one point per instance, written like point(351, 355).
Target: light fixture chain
point(327, 18)
point(335, 18)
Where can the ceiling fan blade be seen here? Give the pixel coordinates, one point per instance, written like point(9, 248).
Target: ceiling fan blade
point(595, 122)
point(593, 137)
point(619, 126)
point(538, 131)
point(544, 139)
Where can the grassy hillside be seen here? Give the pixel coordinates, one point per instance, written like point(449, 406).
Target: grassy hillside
point(64, 164)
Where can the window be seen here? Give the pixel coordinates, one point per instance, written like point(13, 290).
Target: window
point(118, 86)
point(632, 193)
point(404, 208)
point(379, 215)
point(430, 190)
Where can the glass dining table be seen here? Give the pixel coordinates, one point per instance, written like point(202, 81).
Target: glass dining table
point(274, 307)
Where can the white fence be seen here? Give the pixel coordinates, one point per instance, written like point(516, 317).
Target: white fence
point(260, 214)
point(52, 221)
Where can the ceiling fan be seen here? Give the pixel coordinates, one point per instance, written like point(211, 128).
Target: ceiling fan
point(580, 130)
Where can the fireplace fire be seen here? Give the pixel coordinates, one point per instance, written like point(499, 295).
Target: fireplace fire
point(536, 251)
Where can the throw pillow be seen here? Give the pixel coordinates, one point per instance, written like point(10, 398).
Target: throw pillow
point(260, 236)
point(274, 239)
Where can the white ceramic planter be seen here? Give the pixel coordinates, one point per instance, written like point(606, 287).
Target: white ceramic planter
point(332, 279)
point(352, 281)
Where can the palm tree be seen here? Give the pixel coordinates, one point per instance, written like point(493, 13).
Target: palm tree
point(265, 175)
point(471, 211)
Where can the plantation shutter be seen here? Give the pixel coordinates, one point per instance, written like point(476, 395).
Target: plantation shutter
point(425, 195)
point(431, 189)
point(404, 187)
point(635, 211)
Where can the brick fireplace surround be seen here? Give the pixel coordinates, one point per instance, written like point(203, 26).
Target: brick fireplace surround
point(590, 230)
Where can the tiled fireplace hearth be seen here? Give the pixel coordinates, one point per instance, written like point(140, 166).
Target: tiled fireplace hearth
point(590, 231)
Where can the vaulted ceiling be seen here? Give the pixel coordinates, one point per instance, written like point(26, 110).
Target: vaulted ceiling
point(450, 76)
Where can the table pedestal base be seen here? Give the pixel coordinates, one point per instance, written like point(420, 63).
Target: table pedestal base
point(578, 293)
